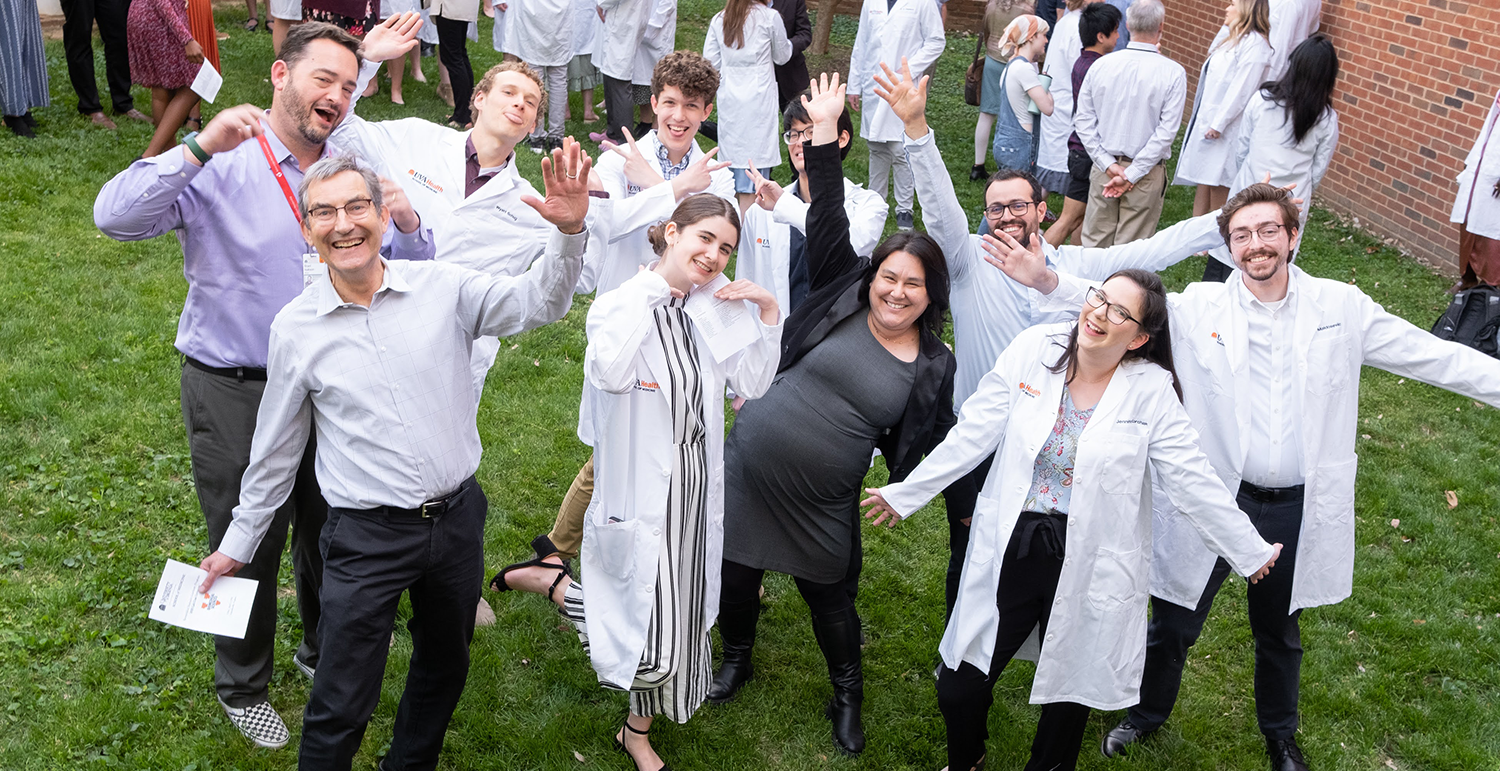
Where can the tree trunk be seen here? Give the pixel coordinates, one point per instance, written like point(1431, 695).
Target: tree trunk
point(824, 30)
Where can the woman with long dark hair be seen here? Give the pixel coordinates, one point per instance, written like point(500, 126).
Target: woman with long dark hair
point(1289, 131)
point(862, 366)
point(1059, 562)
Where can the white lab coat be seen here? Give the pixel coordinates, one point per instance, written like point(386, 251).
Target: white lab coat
point(748, 110)
point(766, 236)
point(1095, 649)
point(658, 40)
point(1337, 329)
point(1292, 21)
point(540, 32)
point(913, 29)
point(1225, 84)
point(586, 26)
point(1063, 49)
point(1266, 146)
point(624, 27)
point(625, 370)
point(1483, 163)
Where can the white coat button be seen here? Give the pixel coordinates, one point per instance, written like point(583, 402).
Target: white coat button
point(656, 531)
point(382, 349)
point(666, 472)
point(650, 588)
point(1049, 637)
point(1057, 601)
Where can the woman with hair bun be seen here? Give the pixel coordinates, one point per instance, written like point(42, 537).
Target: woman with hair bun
point(654, 530)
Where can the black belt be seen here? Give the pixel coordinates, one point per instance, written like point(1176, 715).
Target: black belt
point(238, 373)
point(1271, 494)
point(433, 508)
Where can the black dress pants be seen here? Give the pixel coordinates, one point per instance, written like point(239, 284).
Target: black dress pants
point(370, 558)
point(78, 44)
point(453, 52)
point(619, 108)
point(1278, 637)
point(959, 499)
point(1028, 584)
point(219, 413)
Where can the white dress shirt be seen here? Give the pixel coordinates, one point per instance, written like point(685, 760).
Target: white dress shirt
point(1275, 437)
point(387, 386)
point(1130, 106)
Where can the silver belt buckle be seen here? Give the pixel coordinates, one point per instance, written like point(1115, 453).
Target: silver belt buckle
point(433, 504)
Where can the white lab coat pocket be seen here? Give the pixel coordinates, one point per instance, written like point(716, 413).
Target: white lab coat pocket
point(1328, 369)
point(1115, 582)
point(615, 542)
point(1122, 462)
point(1332, 494)
point(983, 538)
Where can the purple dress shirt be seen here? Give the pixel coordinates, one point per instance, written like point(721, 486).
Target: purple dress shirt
point(241, 244)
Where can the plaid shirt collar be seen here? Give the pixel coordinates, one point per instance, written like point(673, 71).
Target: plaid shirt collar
point(669, 170)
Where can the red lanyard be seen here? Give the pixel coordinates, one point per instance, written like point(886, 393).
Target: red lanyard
point(291, 199)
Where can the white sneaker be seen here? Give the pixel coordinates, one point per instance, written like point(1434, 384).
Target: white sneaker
point(259, 723)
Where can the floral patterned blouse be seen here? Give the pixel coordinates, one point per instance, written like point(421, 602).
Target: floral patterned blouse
point(1052, 476)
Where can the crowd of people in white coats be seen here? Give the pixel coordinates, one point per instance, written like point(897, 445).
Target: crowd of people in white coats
point(1109, 452)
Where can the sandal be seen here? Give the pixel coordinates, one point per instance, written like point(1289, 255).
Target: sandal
point(544, 548)
point(195, 124)
point(620, 745)
point(252, 25)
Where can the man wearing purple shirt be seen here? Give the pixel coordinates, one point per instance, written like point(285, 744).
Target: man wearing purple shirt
point(243, 250)
point(1099, 30)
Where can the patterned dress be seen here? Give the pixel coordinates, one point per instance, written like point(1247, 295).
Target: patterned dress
point(676, 666)
point(23, 62)
point(157, 33)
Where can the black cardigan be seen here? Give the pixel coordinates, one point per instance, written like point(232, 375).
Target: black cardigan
point(838, 291)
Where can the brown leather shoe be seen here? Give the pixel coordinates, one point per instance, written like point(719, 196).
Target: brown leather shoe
point(135, 114)
point(100, 119)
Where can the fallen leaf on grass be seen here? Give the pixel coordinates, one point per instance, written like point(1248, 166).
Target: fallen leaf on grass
point(578, 756)
point(1419, 621)
point(513, 347)
point(1405, 539)
point(1452, 499)
point(536, 362)
point(1395, 523)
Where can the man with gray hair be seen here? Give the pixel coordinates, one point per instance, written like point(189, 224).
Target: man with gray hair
point(374, 355)
point(1126, 114)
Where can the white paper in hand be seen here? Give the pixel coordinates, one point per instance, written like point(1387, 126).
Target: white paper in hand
point(727, 325)
point(225, 610)
point(208, 82)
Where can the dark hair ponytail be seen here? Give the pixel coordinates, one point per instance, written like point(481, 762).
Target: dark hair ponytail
point(694, 208)
point(1153, 321)
point(1305, 92)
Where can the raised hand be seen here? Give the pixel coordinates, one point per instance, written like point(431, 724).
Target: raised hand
point(906, 95)
point(880, 511)
point(565, 180)
point(745, 289)
point(228, 129)
point(825, 101)
point(392, 38)
point(1266, 568)
point(398, 205)
point(1026, 265)
point(639, 171)
point(767, 192)
point(698, 175)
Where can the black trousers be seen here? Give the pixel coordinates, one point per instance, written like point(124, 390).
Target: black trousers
point(453, 52)
point(1216, 271)
point(1278, 637)
point(370, 558)
point(79, 17)
point(219, 413)
point(619, 106)
point(959, 499)
point(1028, 584)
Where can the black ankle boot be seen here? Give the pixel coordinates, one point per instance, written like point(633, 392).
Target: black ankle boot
point(838, 636)
point(978, 172)
point(18, 125)
point(737, 629)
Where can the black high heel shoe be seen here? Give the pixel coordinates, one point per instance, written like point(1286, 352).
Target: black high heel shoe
point(544, 548)
point(620, 745)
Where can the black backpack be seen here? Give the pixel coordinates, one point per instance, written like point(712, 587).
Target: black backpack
point(1473, 318)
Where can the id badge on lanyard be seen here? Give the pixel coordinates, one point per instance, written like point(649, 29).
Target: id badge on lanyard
point(312, 262)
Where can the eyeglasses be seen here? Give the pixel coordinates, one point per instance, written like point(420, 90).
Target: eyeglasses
point(1115, 312)
point(1017, 208)
point(1267, 233)
point(797, 137)
point(356, 209)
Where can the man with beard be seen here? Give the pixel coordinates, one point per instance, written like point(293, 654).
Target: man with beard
point(228, 195)
point(1269, 364)
point(990, 309)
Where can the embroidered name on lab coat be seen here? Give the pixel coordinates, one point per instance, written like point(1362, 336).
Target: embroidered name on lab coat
point(1132, 421)
point(1330, 326)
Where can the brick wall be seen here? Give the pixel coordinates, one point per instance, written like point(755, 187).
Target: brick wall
point(1417, 78)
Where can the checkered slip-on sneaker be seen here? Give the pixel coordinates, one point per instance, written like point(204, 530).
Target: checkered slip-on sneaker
point(259, 723)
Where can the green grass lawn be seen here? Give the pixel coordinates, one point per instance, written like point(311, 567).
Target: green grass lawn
point(95, 493)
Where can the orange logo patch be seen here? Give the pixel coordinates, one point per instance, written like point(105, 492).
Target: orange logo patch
point(1029, 390)
point(422, 180)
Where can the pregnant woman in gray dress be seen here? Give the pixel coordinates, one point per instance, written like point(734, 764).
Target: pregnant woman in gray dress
point(862, 367)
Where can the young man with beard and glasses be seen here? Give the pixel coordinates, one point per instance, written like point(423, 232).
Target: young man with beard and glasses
point(644, 180)
point(990, 309)
point(374, 355)
point(1270, 364)
point(244, 257)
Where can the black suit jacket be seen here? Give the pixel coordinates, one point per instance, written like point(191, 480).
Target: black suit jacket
point(791, 78)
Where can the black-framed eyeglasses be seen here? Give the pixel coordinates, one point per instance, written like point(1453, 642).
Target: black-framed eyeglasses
point(1115, 312)
point(356, 209)
point(797, 137)
point(1017, 208)
point(1267, 232)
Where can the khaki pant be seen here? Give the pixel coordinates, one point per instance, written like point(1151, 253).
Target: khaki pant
point(1131, 217)
point(567, 532)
